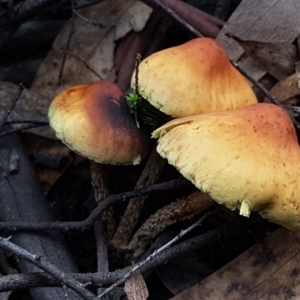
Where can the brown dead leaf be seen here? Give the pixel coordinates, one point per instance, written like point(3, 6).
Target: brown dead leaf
point(135, 287)
point(278, 59)
point(92, 44)
point(184, 272)
point(133, 19)
point(287, 89)
point(30, 106)
point(256, 274)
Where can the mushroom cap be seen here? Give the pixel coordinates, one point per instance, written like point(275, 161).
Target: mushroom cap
point(94, 121)
point(191, 79)
point(246, 159)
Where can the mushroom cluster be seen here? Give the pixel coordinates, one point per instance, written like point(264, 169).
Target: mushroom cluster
point(246, 159)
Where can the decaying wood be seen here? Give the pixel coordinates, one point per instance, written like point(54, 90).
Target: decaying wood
point(22, 200)
point(175, 212)
point(255, 274)
point(150, 174)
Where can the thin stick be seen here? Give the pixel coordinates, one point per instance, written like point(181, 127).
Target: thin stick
point(136, 68)
point(251, 79)
point(67, 46)
point(12, 105)
point(90, 220)
point(46, 266)
point(178, 19)
point(25, 127)
point(29, 280)
point(83, 61)
point(27, 121)
point(155, 253)
point(87, 20)
point(265, 91)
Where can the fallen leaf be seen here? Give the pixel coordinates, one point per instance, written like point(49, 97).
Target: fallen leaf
point(184, 272)
point(133, 19)
point(90, 46)
point(256, 274)
point(135, 287)
point(29, 106)
point(287, 89)
point(278, 59)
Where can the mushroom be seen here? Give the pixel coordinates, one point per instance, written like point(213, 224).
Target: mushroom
point(191, 79)
point(246, 159)
point(94, 121)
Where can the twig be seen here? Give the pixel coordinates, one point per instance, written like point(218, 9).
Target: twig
point(47, 267)
point(265, 91)
point(24, 281)
point(87, 20)
point(84, 62)
point(251, 79)
point(67, 46)
point(25, 127)
point(136, 68)
point(12, 105)
point(89, 221)
point(168, 215)
point(155, 253)
point(151, 172)
point(178, 19)
point(27, 121)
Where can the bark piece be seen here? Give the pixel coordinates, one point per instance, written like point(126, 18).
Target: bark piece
point(22, 200)
point(173, 213)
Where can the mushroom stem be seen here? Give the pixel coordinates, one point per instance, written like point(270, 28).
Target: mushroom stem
point(101, 191)
point(150, 174)
point(245, 209)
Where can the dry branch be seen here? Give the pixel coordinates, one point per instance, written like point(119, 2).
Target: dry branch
point(89, 221)
point(43, 264)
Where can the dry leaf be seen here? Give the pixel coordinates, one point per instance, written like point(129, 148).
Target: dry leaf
point(287, 89)
point(30, 106)
point(262, 21)
point(135, 287)
point(92, 44)
point(256, 274)
point(133, 19)
point(278, 59)
point(184, 272)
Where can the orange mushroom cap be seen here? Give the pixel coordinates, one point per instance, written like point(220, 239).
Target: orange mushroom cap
point(246, 159)
point(94, 121)
point(191, 79)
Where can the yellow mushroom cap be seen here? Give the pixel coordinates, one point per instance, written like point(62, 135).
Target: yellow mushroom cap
point(246, 159)
point(94, 121)
point(191, 79)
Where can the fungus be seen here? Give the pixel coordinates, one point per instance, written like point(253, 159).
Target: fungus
point(191, 79)
point(94, 121)
point(246, 159)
